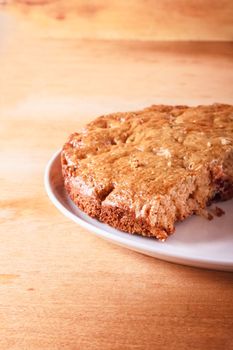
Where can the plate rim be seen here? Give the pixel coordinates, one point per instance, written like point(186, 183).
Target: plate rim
point(201, 262)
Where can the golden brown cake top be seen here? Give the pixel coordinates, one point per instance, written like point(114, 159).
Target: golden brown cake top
point(136, 156)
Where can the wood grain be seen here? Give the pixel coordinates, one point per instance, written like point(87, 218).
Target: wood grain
point(137, 19)
point(61, 287)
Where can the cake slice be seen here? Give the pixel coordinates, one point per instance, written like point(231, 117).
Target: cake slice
point(143, 171)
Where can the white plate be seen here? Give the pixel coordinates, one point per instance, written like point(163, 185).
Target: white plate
point(197, 241)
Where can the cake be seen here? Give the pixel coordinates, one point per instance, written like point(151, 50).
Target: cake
point(143, 171)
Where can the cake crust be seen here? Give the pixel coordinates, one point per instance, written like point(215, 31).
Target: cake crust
point(143, 171)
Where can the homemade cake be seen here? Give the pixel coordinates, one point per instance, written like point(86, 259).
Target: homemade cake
point(143, 171)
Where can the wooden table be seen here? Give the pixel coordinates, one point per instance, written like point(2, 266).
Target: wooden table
point(61, 287)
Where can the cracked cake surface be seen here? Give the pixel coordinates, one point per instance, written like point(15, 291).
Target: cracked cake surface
point(143, 171)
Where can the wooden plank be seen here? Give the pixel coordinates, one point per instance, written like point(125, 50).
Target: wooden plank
point(137, 19)
point(61, 287)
